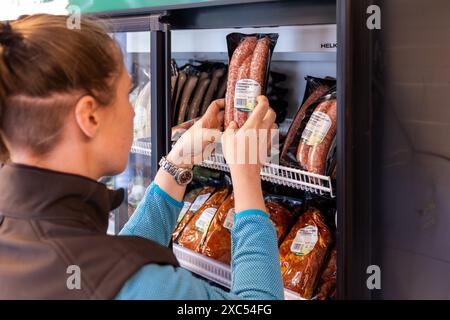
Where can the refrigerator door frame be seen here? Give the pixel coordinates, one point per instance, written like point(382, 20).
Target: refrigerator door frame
point(353, 197)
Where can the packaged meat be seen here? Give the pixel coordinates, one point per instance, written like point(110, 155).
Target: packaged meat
point(212, 88)
point(303, 253)
point(196, 230)
point(222, 86)
point(217, 244)
point(189, 87)
point(193, 206)
point(250, 57)
point(315, 88)
point(281, 217)
point(327, 283)
point(318, 136)
point(194, 108)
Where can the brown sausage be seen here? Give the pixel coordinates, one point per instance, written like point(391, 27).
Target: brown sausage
point(296, 124)
point(182, 77)
point(198, 96)
point(217, 74)
point(245, 48)
point(259, 61)
point(243, 73)
point(303, 148)
point(222, 87)
point(187, 92)
point(318, 153)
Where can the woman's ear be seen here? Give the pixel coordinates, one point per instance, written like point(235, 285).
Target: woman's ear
point(87, 116)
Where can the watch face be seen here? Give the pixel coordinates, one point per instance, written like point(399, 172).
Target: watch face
point(185, 177)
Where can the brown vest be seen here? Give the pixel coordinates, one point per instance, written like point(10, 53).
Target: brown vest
point(50, 221)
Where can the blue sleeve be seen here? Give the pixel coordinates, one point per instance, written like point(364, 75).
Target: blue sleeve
point(155, 217)
point(255, 269)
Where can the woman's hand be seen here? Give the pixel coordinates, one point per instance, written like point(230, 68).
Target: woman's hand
point(245, 151)
point(191, 146)
point(197, 141)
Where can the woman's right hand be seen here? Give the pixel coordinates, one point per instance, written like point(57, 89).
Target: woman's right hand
point(245, 151)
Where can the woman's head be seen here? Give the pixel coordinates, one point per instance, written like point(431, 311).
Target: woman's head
point(63, 93)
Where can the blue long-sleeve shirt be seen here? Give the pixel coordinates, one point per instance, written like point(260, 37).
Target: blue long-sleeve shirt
point(255, 258)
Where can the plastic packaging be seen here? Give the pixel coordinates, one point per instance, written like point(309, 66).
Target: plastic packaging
point(315, 88)
point(200, 198)
point(327, 284)
point(303, 253)
point(196, 230)
point(217, 244)
point(248, 73)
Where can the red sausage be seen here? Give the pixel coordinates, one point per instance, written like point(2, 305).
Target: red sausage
point(245, 48)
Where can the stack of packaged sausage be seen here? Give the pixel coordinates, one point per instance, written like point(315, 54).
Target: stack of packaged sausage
point(194, 86)
point(303, 225)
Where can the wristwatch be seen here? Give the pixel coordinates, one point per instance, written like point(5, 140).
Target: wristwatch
point(182, 176)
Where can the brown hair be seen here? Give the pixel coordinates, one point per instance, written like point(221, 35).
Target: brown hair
point(45, 67)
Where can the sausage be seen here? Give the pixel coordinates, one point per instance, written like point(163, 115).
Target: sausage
point(217, 74)
point(303, 253)
point(245, 49)
point(197, 228)
point(187, 92)
point(200, 196)
point(182, 77)
point(198, 96)
point(297, 123)
point(318, 154)
point(259, 61)
point(222, 87)
point(178, 130)
point(243, 73)
point(217, 244)
point(303, 148)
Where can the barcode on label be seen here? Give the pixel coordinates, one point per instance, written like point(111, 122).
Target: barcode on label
point(240, 103)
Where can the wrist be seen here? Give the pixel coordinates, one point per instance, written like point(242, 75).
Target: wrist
point(181, 162)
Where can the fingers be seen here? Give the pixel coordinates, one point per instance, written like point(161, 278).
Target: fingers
point(259, 112)
point(269, 119)
point(211, 118)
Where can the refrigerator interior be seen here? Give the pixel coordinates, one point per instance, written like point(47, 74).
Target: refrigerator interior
point(300, 51)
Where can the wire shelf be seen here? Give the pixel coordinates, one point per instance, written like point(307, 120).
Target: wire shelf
point(141, 147)
point(282, 175)
point(212, 270)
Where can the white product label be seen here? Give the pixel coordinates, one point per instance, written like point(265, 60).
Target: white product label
point(202, 224)
point(183, 211)
point(245, 95)
point(317, 128)
point(305, 240)
point(199, 201)
point(229, 219)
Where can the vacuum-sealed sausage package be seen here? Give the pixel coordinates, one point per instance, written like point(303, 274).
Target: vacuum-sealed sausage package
point(193, 201)
point(327, 283)
point(196, 230)
point(303, 253)
point(281, 217)
point(248, 73)
point(217, 244)
point(315, 88)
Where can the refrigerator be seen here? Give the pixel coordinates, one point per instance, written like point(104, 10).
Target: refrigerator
point(391, 62)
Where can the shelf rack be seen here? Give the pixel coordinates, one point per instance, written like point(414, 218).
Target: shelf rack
point(141, 147)
point(282, 175)
point(212, 270)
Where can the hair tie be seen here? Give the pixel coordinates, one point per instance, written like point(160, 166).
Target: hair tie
point(7, 36)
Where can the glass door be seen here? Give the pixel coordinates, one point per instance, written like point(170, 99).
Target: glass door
point(137, 176)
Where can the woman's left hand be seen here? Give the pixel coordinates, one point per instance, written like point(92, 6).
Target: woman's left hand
point(198, 140)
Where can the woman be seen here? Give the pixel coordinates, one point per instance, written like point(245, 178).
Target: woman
point(66, 121)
